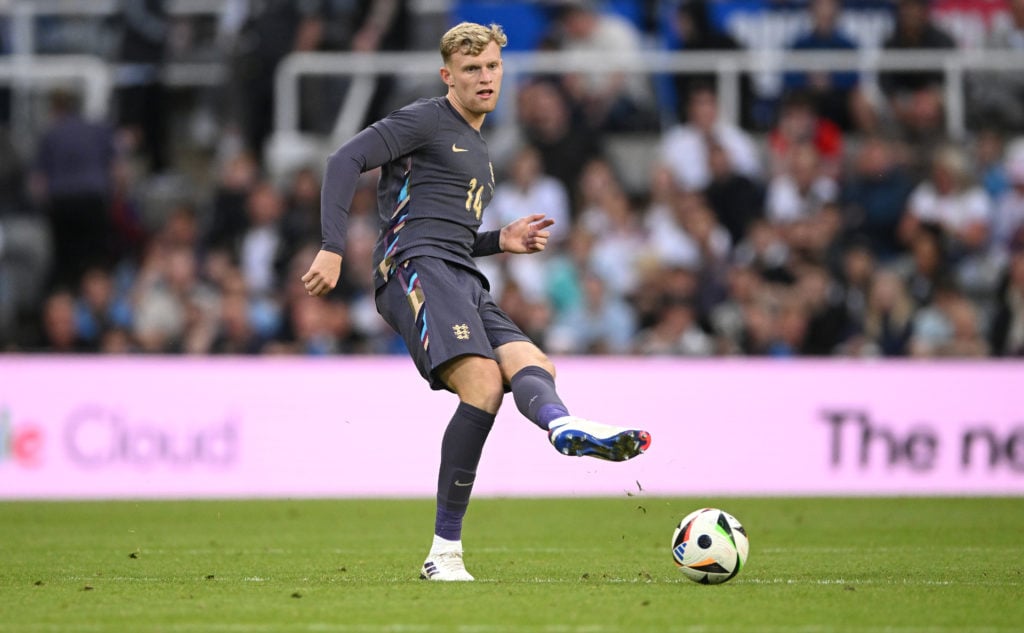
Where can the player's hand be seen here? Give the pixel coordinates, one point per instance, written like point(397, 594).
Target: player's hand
point(323, 273)
point(525, 235)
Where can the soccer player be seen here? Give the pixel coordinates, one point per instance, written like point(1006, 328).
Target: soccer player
point(435, 181)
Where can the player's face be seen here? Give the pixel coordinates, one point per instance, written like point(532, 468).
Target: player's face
point(474, 82)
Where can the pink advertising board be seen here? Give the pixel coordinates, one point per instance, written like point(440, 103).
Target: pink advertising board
point(273, 427)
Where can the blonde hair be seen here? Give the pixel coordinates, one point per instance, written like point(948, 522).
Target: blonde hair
point(470, 38)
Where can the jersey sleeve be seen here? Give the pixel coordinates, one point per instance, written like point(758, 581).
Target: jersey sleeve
point(398, 134)
point(487, 243)
point(361, 153)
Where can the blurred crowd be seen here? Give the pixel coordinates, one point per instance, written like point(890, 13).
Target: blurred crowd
point(834, 219)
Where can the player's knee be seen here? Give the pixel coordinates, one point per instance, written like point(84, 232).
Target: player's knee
point(477, 381)
point(545, 363)
point(485, 392)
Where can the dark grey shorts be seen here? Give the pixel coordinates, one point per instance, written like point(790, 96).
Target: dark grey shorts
point(443, 311)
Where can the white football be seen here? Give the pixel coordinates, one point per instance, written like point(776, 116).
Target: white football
point(710, 546)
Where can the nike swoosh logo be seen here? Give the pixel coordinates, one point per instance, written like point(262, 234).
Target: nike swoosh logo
point(463, 485)
point(458, 149)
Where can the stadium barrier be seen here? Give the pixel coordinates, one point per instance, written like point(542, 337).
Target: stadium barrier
point(368, 426)
point(289, 146)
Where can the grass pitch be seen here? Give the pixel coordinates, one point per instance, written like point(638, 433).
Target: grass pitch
point(916, 565)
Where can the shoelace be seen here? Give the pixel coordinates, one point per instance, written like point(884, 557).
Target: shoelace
point(449, 561)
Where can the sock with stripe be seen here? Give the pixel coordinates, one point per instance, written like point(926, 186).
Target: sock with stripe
point(460, 453)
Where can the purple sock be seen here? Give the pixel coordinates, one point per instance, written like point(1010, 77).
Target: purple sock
point(460, 453)
point(534, 391)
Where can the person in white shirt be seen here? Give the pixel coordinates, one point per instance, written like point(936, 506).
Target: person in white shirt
point(684, 147)
point(961, 210)
point(529, 190)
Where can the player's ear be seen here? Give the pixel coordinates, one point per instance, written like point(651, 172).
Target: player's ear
point(446, 76)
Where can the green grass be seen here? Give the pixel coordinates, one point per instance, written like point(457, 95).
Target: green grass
point(916, 565)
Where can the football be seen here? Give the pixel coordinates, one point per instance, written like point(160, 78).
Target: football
point(710, 546)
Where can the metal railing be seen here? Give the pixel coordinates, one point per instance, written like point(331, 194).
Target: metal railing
point(728, 66)
point(90, 75)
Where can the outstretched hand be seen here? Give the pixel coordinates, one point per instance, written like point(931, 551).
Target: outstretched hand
point(323, 273)
point(525, 235)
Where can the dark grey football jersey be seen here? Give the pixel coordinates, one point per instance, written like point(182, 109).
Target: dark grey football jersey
point(433, 191)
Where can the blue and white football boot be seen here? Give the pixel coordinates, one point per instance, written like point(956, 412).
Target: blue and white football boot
point(575, 436)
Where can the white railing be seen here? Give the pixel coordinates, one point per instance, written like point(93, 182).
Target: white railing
point(727, 65)
point(90, 76)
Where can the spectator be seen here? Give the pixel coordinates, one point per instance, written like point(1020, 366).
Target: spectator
point(100, 307)
point(857, 268)
point(60, 334)
point(300, 224)
point(989, 150)
point(948, 327)
point(1008, 216)
point(666, 233)
point(610, 101)
point(836, 96)
point(799, 124)
point(235, 333)
point(714, 247)
point(765, 251)
point(565, 145)
point(802, 189)
point(996, 97)
point(685, 148)
point(960, 209)
point(675, 333)
point(564, 273)
point(728, 319)
point(227, 216)
point(618, 250)
point(1006, 336)
point(816, 238)
point(694, 31)
point(261, 248)
point(874, 197)
point(72, 181)
point(270, 30)
point(174, 310)
point(926, 267)
point(825, 321)
point(142, 100)
point(317, 328)
point(915, 98)
point(788, 328)
point(603, 323)
point(362, 26)
point(737, 200)
point(527, 190)
point(532, 314)
point(887, 326)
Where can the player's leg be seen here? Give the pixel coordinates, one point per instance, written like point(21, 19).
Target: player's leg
point(531, 376)
point(477, 381)
point(426, 302)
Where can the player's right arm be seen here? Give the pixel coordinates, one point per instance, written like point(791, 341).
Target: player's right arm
point(398, 134)
point(361, 153)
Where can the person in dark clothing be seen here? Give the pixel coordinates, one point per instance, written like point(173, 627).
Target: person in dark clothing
point(142, 100)
point(915, 98)
point(737, 200)
point(72, 181)
point(436, 179)
point(695, 31)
